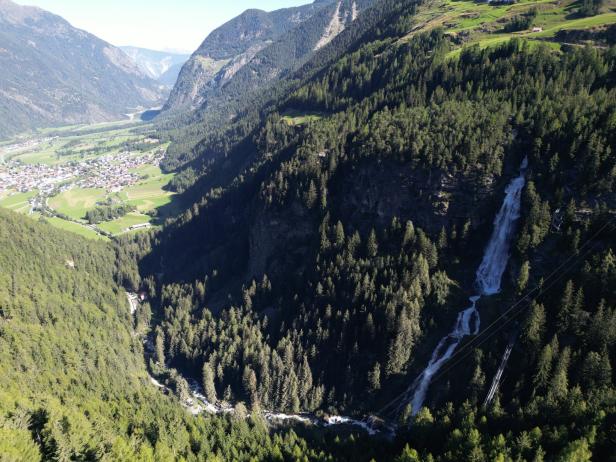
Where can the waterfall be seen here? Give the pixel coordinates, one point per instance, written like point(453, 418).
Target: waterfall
point(496, 255)
point(487, 280)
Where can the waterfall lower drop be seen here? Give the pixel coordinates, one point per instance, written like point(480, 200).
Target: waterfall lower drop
point(487, 280)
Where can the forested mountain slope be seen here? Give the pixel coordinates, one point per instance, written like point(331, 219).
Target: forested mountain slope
point(331, 245)
point(73, 383)
point(199, 136)
point(329, 253)
point(53, 73)
point(554, 22)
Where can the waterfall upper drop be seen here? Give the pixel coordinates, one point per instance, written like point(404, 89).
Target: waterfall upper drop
point(487, 280)
point(496, 255)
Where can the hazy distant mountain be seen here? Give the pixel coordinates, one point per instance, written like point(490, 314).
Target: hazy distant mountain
point(257, 47)
point(159, 65)
point(52, 73)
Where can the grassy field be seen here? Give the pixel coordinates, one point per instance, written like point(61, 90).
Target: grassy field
point(75, 228)
point(17, 202)
point(76, 202)
point(483, 24)
point(146, 195)
point(122, 224)
point(300, 118)
point(149, 194)
point(580, 23)
point(76, 128)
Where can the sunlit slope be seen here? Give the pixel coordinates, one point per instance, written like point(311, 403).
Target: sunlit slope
point(65, 334)
point(471, 23)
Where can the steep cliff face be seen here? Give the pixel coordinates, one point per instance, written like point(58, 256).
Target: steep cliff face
point(268, 230)
point(256, 48)
point(432, 199)
point(367, 196)
point(230, 47)
point(53, 73)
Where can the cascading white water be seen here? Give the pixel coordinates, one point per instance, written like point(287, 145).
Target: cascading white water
point(488, 281)
point(496, 255)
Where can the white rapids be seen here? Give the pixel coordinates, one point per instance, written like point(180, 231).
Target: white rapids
point(487, 280)
point(197, 403)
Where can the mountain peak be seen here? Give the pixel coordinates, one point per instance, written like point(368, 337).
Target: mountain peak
point(258, 46)
point(73, 76)
point(18, 14)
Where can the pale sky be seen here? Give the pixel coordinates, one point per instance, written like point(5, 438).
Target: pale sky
point(155, 24)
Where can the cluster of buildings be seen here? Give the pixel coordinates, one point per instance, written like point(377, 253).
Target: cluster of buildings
point(110, 172)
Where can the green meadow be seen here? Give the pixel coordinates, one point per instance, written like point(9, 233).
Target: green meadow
point(121, 225)
point(79, 143)
point(74, 203)
point(17, 202)
point(76, 228)
point(483, 24)
point(293, 117)
point(149, 193)
point(75, 144)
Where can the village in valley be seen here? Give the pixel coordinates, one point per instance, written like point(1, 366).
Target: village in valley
point(61, 177)
point(109, 172)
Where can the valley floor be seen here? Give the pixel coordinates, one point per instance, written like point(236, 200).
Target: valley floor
point(61, 174)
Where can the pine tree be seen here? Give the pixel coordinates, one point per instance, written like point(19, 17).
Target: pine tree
point(566, 308)
point(544, 367)
point(535, 324)
point(477, 383)
point(576, 451)
point(409, 234)
point(240, 412)
point(311, 195)
point(440, 284)
point(374, 377)
point(160, 347)
point(442, 239)
point(401, 346)
point(305, 379)
point(323, 194)
point(372, 247)
point(209, 389)
point(421, 272)
point(339, 235)
point(559, 384)
point(249, 382)
point(523, 277)
point(597, 370)
point(408, 455)
point(181, 387)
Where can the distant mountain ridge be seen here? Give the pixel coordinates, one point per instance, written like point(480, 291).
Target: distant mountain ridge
point(53, 73)
point(158, 65)
point(257, 47)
